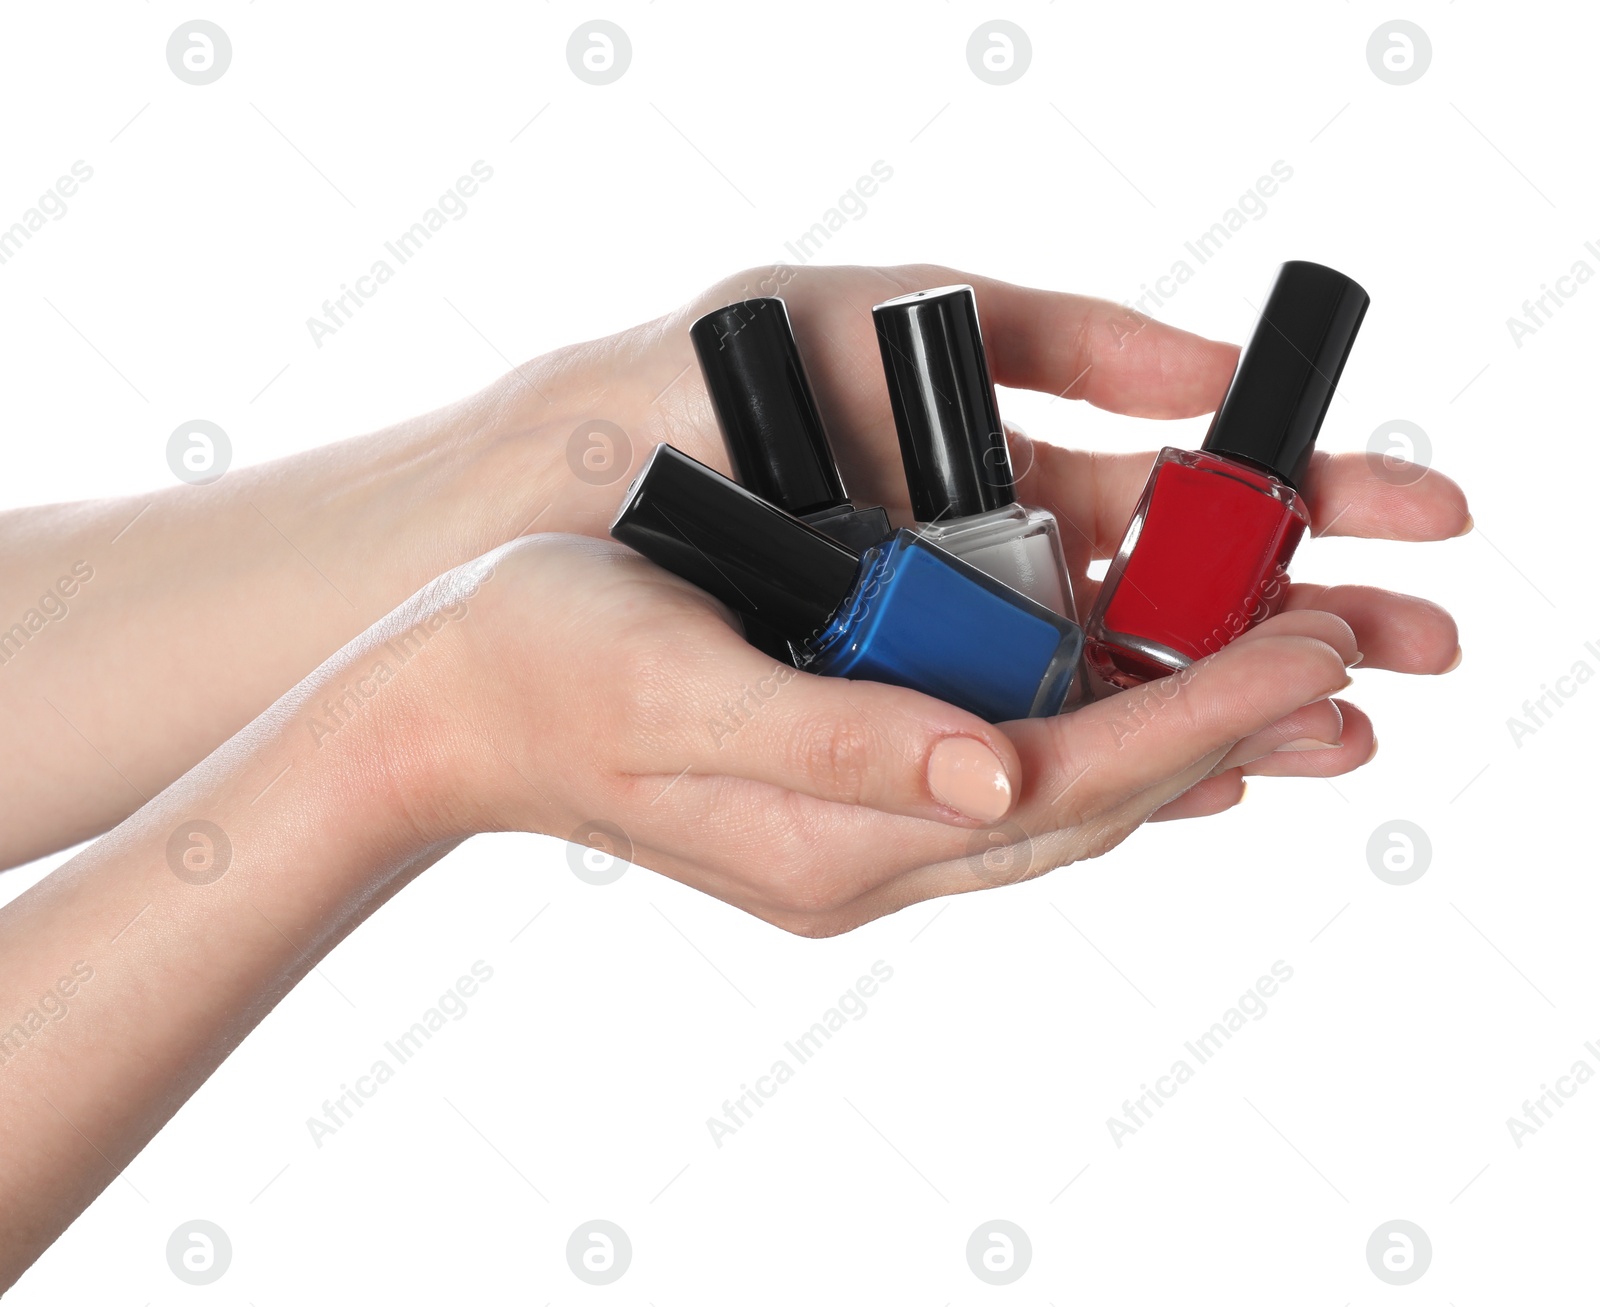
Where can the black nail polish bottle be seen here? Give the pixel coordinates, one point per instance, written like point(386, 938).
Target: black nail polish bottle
point(904, 612)
point(773, 431)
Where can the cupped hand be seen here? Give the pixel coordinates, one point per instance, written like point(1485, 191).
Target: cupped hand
point(646, 381)
point(579, 684)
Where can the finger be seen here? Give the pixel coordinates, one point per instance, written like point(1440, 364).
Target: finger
point(1213, 795)
point(1001, 856)
point(1095, 493)
point(1395, 632)
point(1316, 727)
point(1114, 357)
point(1016, 857)
point(1315, 624)
point(1357, 495)
point(1357, 745)
point(1079, 766)
point(849, 742)
point(830, 869)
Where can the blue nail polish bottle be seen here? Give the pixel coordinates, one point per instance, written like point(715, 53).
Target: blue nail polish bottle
point(905, 612)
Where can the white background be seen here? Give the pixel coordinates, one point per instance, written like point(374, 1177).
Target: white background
point(978, 1085)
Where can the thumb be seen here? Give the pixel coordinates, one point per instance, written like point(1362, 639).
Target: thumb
point(853, 742)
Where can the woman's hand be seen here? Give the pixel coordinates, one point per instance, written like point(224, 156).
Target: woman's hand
point(564, 681)
point(646, 382)
point(579, 684)
point(270, 570)
point(559, 682)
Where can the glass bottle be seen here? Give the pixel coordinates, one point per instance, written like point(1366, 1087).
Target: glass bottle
point(958, 467)
point(904, 612)
point(1206, 553)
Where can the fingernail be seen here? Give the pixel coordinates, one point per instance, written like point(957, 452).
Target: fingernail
point(1356, 661)
point(1307, 745)
point(965, 775)
point(1374, 752)
point(1342, 686)
point(1467, 529)
point(1454, 662)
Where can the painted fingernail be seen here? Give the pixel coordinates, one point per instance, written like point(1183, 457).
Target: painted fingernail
point(1307, 745)
point(1454, 662)
point(965, 775)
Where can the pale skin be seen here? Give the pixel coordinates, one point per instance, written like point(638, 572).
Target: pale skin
point(572, 682)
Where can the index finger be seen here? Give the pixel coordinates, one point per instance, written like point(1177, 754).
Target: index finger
point(1114, 357)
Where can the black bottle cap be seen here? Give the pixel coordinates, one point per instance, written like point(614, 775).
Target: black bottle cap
point(951, 440)
point(750, 554)
point(769, 418)
point(1285, 380)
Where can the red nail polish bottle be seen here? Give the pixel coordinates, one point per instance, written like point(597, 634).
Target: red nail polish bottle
point(1206, 554)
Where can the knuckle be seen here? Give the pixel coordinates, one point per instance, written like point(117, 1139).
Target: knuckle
point(748, 283)
point(1174, 700)
point(839, 755)
point(1065, 770)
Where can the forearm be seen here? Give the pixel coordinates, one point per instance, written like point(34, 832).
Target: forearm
point(131, 972)
point(185, 612)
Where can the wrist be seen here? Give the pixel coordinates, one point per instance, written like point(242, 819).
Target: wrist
point(405, 706)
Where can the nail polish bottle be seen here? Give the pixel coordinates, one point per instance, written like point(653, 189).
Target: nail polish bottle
point(1206, 554)
point(773, 431)
point(770, 423)
point(903, 612)
point(958, 468)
